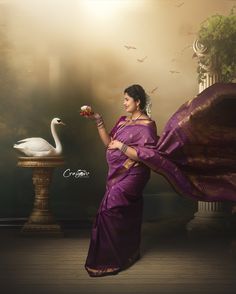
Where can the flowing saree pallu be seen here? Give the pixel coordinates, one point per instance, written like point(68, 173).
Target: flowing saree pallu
point(196, 153)
point(197, 149)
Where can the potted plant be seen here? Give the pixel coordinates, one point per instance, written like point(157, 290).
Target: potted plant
point(217, 39)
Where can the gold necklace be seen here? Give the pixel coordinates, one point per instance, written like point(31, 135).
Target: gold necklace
point(125, 124)
point(136, 118)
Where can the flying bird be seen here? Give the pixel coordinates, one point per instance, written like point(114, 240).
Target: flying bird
point(174, 71)
point(129, 47)
point(180, 4)
point(153, 90)
point(38, 146)
point(141, 59)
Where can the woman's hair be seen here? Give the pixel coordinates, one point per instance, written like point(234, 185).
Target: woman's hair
point(137, 93)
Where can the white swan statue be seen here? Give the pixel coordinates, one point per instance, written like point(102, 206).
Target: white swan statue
point(40, 147)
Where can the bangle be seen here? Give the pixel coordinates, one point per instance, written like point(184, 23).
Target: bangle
point(100, 123)
point(123, 148)
point(101, 126)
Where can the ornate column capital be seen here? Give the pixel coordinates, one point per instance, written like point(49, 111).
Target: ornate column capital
point(207, 69)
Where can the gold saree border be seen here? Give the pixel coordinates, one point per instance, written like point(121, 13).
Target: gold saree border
point(102, 272)
point(109, 270)
point(125, 167)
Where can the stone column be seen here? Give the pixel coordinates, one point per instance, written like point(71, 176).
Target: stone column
point(41, 219)
point(211, 217)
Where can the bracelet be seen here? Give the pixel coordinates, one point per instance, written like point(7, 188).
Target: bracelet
point(123, 147)
point(101, 126)
point(99, 121)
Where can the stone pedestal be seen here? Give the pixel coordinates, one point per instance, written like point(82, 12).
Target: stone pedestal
point(212, 218)
point(41, 220)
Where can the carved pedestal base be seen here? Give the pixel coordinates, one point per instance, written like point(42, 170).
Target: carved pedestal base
point(212, 218)
point(46, 230)
point(41, 220)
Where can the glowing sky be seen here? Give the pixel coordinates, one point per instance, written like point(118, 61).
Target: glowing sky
point(91, 34)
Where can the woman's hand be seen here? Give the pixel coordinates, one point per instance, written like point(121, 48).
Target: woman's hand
point(115, 144)
point(94, 116)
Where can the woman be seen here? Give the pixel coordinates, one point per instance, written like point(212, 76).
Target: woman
point(197, 166)
point(115, 238)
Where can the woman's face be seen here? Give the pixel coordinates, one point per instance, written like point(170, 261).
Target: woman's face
point(130, 104)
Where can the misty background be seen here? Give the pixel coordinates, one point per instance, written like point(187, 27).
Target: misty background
point(58, 55)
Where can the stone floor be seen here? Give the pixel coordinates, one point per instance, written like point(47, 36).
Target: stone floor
point(171, 262)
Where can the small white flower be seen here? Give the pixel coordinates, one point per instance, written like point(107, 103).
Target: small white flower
point(86, 108)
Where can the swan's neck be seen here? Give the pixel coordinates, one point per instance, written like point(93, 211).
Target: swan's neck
point(56, 139)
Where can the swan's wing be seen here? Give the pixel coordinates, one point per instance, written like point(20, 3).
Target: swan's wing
point(35, 144)
point(28, 139)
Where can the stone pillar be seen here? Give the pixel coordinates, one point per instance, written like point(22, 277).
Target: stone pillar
point(211, 217)
point(41, 220)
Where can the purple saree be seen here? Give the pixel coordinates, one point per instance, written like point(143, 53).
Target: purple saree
point(196, 153)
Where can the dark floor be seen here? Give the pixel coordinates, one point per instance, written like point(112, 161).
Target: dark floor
point(171, 262)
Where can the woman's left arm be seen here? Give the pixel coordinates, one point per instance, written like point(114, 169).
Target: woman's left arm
point(127, 150)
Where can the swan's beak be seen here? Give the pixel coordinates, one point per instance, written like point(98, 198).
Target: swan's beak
point(62, 123)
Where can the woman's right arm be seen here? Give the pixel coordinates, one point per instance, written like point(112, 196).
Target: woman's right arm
point(106, 139)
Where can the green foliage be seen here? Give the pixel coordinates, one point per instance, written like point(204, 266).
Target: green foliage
point(218, 34)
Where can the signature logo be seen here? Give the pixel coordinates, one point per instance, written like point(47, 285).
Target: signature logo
point(80, 173)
